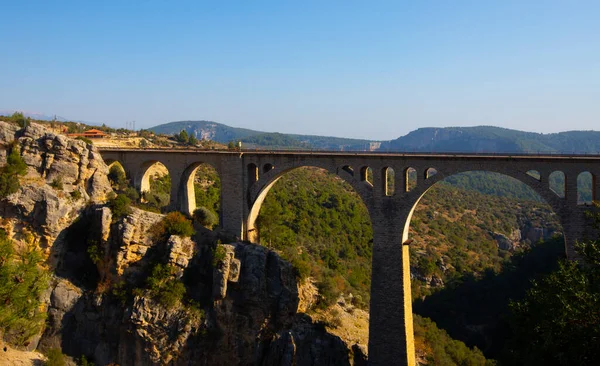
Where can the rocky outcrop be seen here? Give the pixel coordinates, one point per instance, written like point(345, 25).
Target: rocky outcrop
point(227, 269)
point(308, 295)
point(160, 332)
point(248, 316)
point(306, 344)
point(76, 164)
point(505, 242)
point(535, 234)
point(133, 239)
point(181, 251)
point(63, 297)
point(7, 134)
point(57, 166)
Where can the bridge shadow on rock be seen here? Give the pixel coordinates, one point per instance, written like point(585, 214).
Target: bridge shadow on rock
point(476, 310)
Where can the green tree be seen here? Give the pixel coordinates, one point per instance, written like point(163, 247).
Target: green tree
point(205, 217)
point(165, 289)
point(19, 118)
point(15, 165)
point(183, 137)
point(558, 322)
point(231, 145)
point(120, 206)
point(55, 357)
point(176, 223)
point(22, 282)
point(193, 140)
point(117, 177)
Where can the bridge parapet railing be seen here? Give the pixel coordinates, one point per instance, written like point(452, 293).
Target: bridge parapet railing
point(365, 152)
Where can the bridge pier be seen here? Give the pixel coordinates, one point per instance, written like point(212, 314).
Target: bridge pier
point(231, 218)
point(391, 338)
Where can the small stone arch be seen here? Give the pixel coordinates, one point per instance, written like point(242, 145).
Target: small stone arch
point(586, 192)
point(535, 175)
point(410, 179)
point(388, 181)
point(112, 164)
point(430, 172)
point(348, 169)
point(557, 183)
point(252, 174)
point(268, 167)
point(142, 181)
point(366, 175)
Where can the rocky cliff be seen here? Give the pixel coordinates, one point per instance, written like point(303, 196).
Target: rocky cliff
point(248, 299)
point(57, 167)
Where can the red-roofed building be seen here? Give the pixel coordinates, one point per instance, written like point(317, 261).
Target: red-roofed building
point(90, 134)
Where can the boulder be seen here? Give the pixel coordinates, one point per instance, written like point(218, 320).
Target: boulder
point(7, 132)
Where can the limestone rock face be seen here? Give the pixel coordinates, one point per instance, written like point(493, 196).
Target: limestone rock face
point(133, 241)
point(306, 344)
point(63, 298)
point(507, 243)
point(535, 234)
point(73, 162)
point(308, 295)
point(57, 166)
point(252, 320)
point(45, 209)
point(7, 133)
point(222, 270)
point(160, 332)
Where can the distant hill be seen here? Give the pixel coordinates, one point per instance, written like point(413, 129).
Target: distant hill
point(494, 139)
point(259, 139)
point(479, 139)
point(33, 115)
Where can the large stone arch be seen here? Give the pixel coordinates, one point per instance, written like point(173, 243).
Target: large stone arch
point(258, 190)
point(540, 186)
point(186, 198)
point(141, 180)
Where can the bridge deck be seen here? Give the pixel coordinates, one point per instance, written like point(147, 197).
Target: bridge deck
point(499, 155)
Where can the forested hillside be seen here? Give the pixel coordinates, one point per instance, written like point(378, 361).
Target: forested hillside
point(494, 139)
point(321, 225)
point(258, 139)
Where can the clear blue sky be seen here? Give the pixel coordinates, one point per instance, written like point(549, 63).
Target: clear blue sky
point(365, 69)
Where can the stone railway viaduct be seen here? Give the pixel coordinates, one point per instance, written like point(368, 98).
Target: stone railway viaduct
point(246, 178)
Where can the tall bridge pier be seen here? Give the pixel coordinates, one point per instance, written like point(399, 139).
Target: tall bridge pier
point(246, 178)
